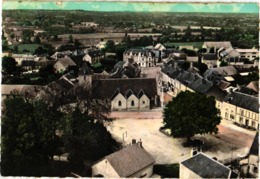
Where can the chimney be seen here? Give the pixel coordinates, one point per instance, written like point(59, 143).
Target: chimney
point(133, 141)
point(140, 143)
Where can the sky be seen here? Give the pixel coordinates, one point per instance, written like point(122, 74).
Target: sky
point(238, 7)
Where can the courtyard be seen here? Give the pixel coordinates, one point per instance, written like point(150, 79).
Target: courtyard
point(229, 144)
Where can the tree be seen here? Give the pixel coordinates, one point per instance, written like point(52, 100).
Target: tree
point(223, 63)
point(16, 48)
point(110, 46)
point(9, 65)
point(37, 40)
point(70, 39)
point(191, 113)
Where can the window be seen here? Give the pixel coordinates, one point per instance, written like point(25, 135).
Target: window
point(132, 103)
point(119, 103)
point(242, 112)
point(226, 115)
point(253, 124)
point(143, 102)
point(232, 116)
point(241, 119)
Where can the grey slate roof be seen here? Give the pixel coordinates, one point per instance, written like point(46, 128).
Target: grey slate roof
point(243, 100)
point(223, 71)
point(206, 167)
point(130, 160)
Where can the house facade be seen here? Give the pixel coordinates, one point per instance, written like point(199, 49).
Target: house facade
point(143, 58)
point(210, 59)
point(241, 108)
point(251, 54)
point(133, 161)
point(127, 94)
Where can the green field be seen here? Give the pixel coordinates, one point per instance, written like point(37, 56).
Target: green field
point(194, 44)
point(26, 48)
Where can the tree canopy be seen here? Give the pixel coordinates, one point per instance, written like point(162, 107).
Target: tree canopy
point(191, 113)
point(9, 65)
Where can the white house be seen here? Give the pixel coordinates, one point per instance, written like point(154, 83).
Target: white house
point(144, 58)
point(133, 161)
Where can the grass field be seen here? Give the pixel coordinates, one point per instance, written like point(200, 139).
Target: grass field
point(194, 44)
point(26, 48)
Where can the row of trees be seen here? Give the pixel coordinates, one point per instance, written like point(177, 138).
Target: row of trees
point(33, 131)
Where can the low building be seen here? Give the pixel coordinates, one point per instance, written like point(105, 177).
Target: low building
point(93, 56)
point(203, 166)
point(133, 161)
point(216, 45)
point(143, 58)
point(251, 54)
point(19, 58)
point(126, 94)
point(63, 63)
point(241, 108)
point(210, 59)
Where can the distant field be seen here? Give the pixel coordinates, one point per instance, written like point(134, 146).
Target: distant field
point(107, 35)
point(23, 48)
point(194, 44)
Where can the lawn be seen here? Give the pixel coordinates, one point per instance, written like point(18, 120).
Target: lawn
point(194, 44)
point(167, 170)
point(26, 48)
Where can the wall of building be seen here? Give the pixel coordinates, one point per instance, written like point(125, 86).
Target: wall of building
point(144, 103)
point(105, 169)
point(246, 117)
point(186, 173)
point(132, 103)
point(228, 111)
point(253, 163)
point(115, 103)
point(144, 173)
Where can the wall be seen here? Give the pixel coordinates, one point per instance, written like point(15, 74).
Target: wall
point(186, 173)
point(243, 115)
point(144, 103)
point(129, 103)
point(115, 102)
point(104, 168)
point(144, 173)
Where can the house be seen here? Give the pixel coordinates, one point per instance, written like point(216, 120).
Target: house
point(126, 94)
point(251, 54)
point(210, 59)
point(253, 159)
point(203, 166)
point(57, 55)
point(143, 58)
point(93, 56)
point(254, 85)
point(22, 57)
point(63, 63)
point(216, 45)
point(241, 108)
point(225, 54)
point(125, 70)
point(217, 74)
point(133, 161)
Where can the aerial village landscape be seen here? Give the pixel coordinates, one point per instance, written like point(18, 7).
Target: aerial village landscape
point(130, 94)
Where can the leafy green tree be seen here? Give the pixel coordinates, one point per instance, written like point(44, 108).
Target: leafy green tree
point(70, 39)
point(9, 65)
point(15, 48)
point(191, 113)
point(110, 46)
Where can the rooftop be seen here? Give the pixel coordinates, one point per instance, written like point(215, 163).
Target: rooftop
point(130, 160)
point(206, 167)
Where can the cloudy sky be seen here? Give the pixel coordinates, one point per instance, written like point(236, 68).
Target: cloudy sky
point(137, 6)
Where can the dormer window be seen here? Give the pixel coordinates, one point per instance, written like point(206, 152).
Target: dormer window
point(119, 103)
point(132, 103)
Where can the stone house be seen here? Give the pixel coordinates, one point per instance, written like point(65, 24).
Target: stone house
point(133, 161)
point(203, 166)
point(216, 45)
point(93, 56)
point(210, 59)
point(251, 54)
point(126, 94)
point(241, 108)
point(143, 58)
point(62, 64)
